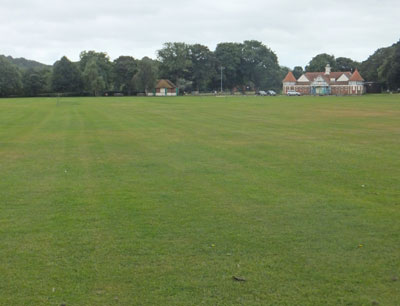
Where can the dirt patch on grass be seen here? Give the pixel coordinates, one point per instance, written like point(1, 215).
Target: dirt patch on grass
point(390, 128)
point(9, 156)
point(343, 113)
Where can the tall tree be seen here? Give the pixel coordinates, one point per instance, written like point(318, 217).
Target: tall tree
point(103, 64)
point(66, 77)
point(175, 61)
point(394, 72)
point(298, 71)
point(346, 64)
point(146, 77)
point(93, 78)
point(370, 67)
point(202, 67)
point(124, 68)
point(389, 70)
point(319, 62)
point(378, 66)
point(259, 65)
point(36, 81)
point(229, 59)
point(10, 78)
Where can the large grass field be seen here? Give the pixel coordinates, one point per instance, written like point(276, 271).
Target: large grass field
point(161, 201)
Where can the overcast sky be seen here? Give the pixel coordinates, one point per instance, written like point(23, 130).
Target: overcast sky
point(45, 30)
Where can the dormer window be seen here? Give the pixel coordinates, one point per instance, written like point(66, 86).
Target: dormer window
point(343, 78)
point(327, 69)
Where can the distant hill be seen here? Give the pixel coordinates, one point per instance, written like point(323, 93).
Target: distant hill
point(24, 64)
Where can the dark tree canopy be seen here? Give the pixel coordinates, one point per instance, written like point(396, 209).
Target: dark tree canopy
point(369, 68)
point(146, 77)
point(36, 81)
point(298, 71)
point(203, 66)
point(346, 64)
point(319, 62)
point(66, 77)
point(93, 77)
point(260, 65)
point(383, 67)
point(10, 78)
point(389, 70)
point(103, 63)
point(124, 69)
point(175, 61)
point(229, 58)
point(393, 76)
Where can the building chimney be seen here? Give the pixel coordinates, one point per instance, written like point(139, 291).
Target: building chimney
point(327, 69)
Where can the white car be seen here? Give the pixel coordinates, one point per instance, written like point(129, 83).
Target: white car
point(293, 93)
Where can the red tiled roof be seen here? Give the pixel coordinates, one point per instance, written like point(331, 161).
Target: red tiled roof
point(356, 77)
point(327, 77)
point(338, 74)
point(311, 76)
point(289, 78)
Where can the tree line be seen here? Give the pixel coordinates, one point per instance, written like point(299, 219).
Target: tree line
point(250, 65)
point(94, 74)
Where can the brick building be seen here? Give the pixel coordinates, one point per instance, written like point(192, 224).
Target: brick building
point(325, 83)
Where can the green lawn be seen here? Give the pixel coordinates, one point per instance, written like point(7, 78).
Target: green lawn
point(161, 201)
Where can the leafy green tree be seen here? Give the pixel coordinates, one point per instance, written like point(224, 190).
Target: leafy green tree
point(124, 69)
point(370, 67)
point(389, 70)
point(229, 57)
point(146, 77)
point(175, 61)
point(66, 77)
point(346, 64)
point(319, 62)
point(378, 66)
point(393, 77)
point(298, 71)
point(93, 79)
point(10, 78)
point(259, 65)
point(36, 81)
point(103, 63)
point(203, 67)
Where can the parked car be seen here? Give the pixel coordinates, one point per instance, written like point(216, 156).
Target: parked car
point(271, 93)
point(293, 93)
point(261, 93)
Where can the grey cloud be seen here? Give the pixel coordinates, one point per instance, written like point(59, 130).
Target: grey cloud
point(45, 30)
